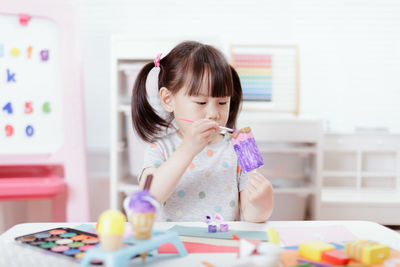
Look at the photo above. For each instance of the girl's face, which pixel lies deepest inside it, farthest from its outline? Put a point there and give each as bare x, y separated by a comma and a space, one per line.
199, 107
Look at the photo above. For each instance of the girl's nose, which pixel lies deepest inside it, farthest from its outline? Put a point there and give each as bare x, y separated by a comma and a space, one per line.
212, 113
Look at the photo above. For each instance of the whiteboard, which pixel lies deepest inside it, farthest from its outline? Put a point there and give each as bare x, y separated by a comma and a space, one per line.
31, 119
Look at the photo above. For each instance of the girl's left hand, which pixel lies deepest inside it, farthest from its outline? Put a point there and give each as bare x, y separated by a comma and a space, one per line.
259, 190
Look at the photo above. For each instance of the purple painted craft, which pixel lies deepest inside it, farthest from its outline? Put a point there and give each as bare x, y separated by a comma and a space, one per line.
212, 228
246, 150
139, 202
223, 227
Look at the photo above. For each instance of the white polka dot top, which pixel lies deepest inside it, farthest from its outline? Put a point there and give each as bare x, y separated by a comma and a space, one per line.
211, 183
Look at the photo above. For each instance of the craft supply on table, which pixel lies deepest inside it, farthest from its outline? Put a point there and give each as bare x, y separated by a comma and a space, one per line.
215, 223
110, 228
198, 248
246, 150
313, 250
367, 252
224, 227
212, 228
210, 241
247, 248
273, 235
141, 208
219, 220
211, 225
336, 257
203, 232
66, 241
124, 255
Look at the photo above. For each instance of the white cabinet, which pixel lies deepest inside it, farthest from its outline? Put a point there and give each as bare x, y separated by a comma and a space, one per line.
291, 150
127, 57
360, 177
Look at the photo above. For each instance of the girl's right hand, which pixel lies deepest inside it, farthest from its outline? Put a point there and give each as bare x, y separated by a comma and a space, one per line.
199, 134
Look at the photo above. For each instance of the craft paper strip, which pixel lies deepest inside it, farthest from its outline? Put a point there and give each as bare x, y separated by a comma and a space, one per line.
203, 232
197, 248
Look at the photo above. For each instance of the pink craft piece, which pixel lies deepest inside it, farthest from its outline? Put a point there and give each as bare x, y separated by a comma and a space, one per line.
246, 150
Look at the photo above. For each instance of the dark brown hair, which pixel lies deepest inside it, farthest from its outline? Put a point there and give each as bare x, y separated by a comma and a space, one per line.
188, 65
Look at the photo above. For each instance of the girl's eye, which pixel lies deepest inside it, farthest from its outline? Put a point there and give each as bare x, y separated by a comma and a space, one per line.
223, 103
201, 103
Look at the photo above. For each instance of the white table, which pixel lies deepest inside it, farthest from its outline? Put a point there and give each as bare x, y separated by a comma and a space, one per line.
361, 229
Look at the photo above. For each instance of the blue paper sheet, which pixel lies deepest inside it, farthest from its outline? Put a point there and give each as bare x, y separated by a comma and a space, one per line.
203, 232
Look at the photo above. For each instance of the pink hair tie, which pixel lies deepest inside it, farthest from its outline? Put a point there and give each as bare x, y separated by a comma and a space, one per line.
157, 60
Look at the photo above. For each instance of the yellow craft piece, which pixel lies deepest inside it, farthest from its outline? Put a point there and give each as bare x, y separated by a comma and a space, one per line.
375, 255
15, 52
273, 236
111, 222
368, 252
313, 250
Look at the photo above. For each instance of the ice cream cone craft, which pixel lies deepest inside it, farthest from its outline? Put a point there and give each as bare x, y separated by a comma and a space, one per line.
141, 218
110, 228
246, 150
141, 208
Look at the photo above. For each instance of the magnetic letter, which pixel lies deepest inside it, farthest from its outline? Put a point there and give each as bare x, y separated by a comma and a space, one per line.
10, 76
44, 54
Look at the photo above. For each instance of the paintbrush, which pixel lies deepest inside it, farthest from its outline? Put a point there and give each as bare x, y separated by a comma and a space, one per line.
147, 184
219, 127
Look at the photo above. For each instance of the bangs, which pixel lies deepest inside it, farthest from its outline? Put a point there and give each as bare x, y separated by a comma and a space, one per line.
207, 68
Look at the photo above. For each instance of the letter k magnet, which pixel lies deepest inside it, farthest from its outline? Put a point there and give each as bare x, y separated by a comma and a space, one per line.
10, 76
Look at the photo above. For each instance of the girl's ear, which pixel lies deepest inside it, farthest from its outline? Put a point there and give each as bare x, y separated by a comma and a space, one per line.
166, 99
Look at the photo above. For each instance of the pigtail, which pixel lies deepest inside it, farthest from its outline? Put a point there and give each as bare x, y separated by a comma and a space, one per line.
236, 99
145, 120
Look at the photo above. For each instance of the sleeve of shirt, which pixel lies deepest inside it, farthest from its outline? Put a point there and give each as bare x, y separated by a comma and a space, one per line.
153, 157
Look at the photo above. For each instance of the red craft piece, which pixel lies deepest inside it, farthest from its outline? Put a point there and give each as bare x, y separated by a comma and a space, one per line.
337, 257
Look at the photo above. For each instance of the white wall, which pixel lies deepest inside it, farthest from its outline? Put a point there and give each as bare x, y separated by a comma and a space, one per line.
350, 50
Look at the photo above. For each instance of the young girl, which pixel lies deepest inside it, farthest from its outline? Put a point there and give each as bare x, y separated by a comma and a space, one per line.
195, 168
